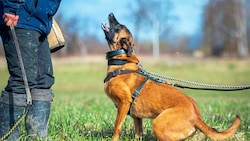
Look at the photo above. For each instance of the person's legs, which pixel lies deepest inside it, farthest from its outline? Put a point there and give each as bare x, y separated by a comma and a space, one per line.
36, 58
13, 97
38, 115
37, 62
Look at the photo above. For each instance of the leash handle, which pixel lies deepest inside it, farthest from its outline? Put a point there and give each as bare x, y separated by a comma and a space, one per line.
29, 100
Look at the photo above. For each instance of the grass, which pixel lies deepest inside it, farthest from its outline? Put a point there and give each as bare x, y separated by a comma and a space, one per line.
81, 110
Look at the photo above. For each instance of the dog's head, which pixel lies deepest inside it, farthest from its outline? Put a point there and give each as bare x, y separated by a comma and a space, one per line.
118, 36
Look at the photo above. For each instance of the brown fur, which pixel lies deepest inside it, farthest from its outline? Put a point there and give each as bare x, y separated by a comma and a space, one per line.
176, 116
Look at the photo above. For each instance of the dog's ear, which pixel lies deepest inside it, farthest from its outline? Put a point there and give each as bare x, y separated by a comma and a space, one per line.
127, 45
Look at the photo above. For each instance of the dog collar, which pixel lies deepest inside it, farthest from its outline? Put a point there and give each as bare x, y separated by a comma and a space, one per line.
111, 54
116, 62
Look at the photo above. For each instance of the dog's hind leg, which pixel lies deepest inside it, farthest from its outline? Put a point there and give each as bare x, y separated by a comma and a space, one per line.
174, 124
138, 127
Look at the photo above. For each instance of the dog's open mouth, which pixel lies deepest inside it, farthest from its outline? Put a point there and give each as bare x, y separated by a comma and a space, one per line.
113, 24
112, 29
105, 28
109, 34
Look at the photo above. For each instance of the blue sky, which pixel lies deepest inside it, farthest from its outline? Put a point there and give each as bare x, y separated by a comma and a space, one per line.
188, 12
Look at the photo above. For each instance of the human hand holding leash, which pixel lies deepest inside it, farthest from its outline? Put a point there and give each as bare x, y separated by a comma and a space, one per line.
10, 19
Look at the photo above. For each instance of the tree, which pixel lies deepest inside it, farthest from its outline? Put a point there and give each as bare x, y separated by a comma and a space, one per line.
241, 26
152, 13
224, 28
73, 36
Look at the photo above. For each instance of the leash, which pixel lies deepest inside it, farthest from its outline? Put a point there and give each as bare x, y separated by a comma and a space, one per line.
200, 86
159, 77
14, 126
29, 100
28, 93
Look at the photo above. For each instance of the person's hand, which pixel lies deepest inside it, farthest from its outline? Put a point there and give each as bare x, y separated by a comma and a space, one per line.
10, 19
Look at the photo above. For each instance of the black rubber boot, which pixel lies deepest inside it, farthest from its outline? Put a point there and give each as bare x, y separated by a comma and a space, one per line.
12, 108
37, 118
9, 115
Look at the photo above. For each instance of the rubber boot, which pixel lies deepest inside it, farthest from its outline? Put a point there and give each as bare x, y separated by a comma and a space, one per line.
36, 121
12, 107
9, 115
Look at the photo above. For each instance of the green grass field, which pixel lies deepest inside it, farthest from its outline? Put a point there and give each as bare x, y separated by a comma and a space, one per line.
81, 110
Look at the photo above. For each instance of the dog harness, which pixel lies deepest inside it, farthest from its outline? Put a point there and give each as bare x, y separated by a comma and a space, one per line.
137, 91
121, 72
111, 61
115, 73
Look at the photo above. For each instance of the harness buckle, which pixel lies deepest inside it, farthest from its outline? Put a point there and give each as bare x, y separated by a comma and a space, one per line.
116, 72
135, 94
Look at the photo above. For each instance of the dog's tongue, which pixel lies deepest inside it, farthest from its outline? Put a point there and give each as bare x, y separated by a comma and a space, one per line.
104, 27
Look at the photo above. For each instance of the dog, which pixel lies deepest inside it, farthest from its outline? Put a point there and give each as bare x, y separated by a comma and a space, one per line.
175, 115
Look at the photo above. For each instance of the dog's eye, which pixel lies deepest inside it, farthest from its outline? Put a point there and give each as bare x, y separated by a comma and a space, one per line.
118, 28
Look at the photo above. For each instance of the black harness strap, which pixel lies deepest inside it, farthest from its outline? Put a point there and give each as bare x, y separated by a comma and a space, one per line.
115, 73
138, 90
147, 77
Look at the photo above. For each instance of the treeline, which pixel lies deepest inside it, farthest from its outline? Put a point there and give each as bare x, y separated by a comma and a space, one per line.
224, 32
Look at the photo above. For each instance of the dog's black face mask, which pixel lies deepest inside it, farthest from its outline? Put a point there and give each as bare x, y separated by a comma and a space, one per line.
114, 28
117, 35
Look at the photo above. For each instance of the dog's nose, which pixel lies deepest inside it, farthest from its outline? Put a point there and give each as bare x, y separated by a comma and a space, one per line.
111, 15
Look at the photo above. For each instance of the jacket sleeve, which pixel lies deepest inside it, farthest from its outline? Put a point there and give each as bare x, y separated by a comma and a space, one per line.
13, 6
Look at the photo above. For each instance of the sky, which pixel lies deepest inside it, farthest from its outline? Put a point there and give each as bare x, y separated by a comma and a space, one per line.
188, 12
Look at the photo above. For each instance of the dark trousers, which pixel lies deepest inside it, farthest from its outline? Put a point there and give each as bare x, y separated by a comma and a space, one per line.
36, 58
38, 66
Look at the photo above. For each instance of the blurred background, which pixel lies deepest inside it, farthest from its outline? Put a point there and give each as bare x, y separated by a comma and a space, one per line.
203, 41
193, 28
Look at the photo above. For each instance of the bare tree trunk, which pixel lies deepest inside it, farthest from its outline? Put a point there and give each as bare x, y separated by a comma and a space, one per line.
156, 50
136, 36
241, 27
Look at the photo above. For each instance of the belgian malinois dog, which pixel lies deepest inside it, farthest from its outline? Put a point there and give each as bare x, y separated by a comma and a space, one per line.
175, 115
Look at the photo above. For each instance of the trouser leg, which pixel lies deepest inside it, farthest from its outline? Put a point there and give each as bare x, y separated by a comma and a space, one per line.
36, 58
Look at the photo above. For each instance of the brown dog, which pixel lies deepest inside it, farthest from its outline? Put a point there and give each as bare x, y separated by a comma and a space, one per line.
176, 116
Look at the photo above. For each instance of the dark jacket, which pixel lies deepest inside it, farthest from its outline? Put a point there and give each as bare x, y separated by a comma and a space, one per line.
33, 14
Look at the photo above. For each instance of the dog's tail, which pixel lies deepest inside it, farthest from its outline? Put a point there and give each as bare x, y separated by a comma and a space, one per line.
213, 134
